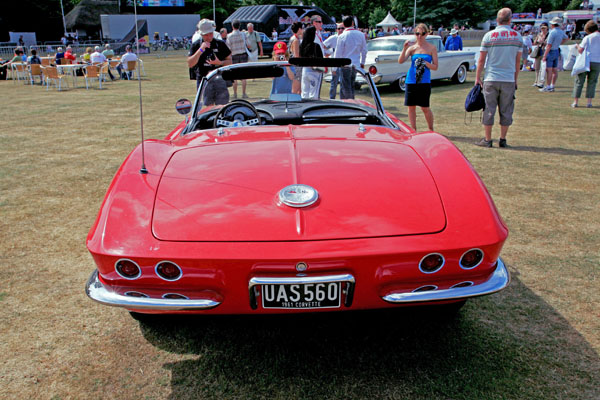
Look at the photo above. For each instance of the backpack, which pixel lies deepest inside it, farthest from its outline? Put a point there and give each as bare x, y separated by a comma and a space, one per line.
475, 100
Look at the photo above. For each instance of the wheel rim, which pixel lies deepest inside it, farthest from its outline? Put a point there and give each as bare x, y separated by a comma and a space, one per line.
462, 73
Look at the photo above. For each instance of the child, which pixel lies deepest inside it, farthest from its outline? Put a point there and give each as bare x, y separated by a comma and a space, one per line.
282, 84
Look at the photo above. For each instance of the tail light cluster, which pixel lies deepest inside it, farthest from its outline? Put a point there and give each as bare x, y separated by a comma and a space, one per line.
166, 270
433, 262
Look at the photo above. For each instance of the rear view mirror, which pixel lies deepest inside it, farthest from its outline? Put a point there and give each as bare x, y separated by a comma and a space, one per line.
183, 106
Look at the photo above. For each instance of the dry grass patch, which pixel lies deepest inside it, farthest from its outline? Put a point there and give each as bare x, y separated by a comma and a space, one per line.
538, 339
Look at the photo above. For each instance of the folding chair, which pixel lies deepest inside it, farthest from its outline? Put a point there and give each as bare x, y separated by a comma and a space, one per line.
51, 74
103, 73
46, 62
35, 70
65, 61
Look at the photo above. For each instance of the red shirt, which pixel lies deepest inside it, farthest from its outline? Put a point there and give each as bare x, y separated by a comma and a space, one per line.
70, 56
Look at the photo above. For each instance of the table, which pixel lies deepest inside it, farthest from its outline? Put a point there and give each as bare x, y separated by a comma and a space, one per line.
70, 68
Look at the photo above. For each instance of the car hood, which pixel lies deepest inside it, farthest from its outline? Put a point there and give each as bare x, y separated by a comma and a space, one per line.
229, 192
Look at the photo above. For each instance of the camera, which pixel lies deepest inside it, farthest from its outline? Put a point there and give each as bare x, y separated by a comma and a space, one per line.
281, 58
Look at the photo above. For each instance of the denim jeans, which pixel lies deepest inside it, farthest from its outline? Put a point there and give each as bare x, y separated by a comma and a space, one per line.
347, 78
335, 77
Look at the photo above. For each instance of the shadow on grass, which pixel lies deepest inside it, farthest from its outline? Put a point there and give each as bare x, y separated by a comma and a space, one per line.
509, 345
533, 149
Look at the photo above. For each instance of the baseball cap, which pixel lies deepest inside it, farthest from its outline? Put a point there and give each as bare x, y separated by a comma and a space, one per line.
280, 48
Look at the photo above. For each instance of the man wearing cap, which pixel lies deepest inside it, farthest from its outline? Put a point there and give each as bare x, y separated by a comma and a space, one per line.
236, 41
499, 60
282, 84
206, 55
556, 37
454, 42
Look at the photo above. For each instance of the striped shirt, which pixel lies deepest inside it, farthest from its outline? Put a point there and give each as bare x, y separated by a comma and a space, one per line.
502, 45
236, 42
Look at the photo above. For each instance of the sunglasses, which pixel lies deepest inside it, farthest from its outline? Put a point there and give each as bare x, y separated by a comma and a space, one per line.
340, 29
320, 22
420, 34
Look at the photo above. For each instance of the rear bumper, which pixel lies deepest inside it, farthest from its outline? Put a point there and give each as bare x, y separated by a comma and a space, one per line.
98, 292
498, 281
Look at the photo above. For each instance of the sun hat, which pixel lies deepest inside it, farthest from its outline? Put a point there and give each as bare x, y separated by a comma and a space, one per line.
280, 48
206, 26
453, 32
556, 21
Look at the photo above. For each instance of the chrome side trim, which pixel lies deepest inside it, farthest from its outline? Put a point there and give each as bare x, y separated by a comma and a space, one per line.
498, 281
297, 280
98, 292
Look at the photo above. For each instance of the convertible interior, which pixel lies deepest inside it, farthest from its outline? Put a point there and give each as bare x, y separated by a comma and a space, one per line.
262, 106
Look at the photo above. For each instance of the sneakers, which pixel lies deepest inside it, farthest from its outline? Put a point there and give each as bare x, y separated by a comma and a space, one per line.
574, 105
244, 96
502, 143
547, 89
485, 143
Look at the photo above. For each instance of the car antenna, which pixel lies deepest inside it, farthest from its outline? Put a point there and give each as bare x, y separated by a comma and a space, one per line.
143, 169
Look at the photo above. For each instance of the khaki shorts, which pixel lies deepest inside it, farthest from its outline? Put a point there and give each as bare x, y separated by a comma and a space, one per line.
500, 95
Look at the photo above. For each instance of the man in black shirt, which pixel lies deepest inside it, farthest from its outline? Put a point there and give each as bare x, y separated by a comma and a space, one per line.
205, 55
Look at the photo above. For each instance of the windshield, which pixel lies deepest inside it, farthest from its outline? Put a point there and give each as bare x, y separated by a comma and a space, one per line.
385, 45
275, 92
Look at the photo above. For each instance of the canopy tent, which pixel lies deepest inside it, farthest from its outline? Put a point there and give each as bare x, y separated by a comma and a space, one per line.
389, 22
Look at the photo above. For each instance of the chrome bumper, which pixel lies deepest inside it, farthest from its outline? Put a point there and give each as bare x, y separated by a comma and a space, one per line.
498, 281
98, 292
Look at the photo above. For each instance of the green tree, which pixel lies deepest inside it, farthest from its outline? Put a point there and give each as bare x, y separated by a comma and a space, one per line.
377, 15
442, 12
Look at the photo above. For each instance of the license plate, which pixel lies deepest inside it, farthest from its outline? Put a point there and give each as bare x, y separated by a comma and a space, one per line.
302, 295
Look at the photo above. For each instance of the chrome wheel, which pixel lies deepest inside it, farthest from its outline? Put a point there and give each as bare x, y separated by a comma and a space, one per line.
460, 76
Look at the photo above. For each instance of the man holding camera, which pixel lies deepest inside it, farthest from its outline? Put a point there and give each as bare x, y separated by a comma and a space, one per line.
206, 55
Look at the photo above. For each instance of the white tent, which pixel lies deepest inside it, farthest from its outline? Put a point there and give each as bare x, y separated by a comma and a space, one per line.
389, 22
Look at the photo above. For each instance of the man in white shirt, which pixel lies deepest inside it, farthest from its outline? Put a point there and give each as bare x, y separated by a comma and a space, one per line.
331, 44
128, 56
353, 45
97, 57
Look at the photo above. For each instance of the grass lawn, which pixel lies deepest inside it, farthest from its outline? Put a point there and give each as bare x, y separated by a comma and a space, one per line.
538, 339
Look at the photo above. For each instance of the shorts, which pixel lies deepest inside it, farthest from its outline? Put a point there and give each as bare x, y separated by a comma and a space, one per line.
552, 59
417, 94
500, 95
239, 58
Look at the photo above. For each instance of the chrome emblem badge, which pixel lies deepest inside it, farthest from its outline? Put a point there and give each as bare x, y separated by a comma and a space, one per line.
298, 195
301, 267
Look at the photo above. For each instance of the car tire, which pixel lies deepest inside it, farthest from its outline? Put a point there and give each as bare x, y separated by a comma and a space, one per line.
400, 84
460, 76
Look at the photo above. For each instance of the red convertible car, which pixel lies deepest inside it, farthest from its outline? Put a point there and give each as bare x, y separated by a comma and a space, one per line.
289, 204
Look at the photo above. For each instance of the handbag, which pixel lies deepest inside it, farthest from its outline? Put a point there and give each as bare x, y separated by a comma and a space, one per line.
535, 51
582, 63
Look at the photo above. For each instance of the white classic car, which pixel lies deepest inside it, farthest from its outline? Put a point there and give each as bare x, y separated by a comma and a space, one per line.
383, 53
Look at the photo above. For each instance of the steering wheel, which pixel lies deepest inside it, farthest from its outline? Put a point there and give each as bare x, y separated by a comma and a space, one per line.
237, 113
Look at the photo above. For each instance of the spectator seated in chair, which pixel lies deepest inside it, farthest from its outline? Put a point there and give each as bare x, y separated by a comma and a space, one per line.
122, 67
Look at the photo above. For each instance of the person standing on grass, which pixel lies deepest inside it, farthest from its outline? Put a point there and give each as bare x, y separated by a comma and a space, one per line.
254, 43
424, 59
500, 58
556, 37
540, 68
353, 45
236, 41
331, 43
589, 43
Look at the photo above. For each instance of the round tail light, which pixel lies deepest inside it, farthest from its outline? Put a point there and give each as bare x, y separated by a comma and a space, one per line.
431, 263
128, 269
471, 259
168, 270
372, 70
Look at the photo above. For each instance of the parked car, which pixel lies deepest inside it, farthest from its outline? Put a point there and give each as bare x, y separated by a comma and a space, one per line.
383, 53
279, 204
267, 44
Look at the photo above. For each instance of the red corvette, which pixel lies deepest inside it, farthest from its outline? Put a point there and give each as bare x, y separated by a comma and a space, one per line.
288, 204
